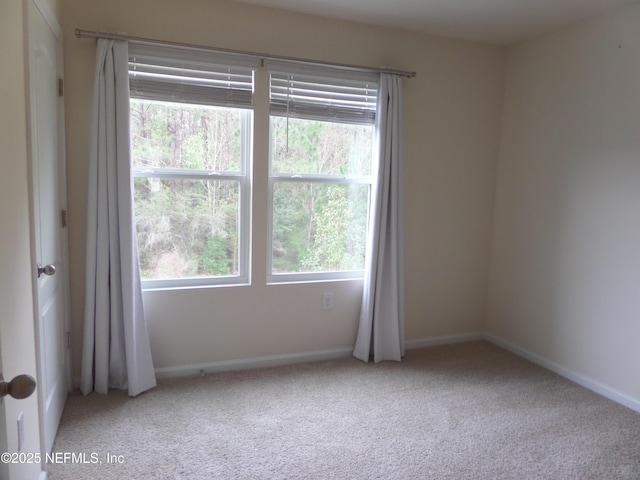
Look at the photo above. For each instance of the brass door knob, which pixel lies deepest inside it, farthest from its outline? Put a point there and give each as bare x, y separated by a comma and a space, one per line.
20, 387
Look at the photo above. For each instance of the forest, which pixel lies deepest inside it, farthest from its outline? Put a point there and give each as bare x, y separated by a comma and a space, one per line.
190, 164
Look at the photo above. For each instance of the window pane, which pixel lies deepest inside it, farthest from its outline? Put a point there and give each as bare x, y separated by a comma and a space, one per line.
308, 146
187, 228
196, 137
319, 227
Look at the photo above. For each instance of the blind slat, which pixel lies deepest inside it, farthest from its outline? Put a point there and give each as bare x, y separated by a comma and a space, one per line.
240, 77
345, 100
195, 94
174, 74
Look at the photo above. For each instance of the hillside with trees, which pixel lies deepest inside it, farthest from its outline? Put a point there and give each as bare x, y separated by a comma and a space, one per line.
188, 219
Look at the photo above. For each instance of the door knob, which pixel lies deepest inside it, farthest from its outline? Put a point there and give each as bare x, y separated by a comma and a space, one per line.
20, 387
47, 269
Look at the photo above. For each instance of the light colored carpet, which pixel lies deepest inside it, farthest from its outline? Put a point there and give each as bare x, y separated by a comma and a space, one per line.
465, 411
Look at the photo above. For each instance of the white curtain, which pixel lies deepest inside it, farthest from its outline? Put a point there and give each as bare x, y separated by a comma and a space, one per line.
381, 328
116, 351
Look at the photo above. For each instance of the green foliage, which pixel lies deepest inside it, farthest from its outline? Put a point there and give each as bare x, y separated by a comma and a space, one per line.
186, 227
340, 238
190, 227
215, 261
310, 146
319, 227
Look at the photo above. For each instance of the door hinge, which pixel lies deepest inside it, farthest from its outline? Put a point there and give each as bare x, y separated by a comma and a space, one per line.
63, 218
60, 87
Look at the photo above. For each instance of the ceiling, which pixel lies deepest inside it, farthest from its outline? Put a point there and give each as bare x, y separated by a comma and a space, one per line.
499, 22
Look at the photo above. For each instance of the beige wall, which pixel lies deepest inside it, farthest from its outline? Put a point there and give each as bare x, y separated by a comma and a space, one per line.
17, 327
451, 124
566, 257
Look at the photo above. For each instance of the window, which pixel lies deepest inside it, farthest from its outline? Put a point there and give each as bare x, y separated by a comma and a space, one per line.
190, 125
321, 174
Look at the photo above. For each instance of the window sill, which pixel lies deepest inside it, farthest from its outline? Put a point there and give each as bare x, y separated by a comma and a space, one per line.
194, 283
293, 278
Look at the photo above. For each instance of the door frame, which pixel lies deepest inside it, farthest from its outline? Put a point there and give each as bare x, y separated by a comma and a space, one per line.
51, 21
4, 467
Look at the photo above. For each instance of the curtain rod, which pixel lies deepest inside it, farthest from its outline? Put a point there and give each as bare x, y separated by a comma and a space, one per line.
116, 36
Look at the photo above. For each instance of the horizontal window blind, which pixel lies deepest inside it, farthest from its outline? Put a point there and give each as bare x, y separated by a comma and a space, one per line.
182, 75
318, 97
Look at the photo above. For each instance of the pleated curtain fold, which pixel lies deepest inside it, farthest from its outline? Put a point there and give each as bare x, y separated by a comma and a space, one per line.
116, 350
381, 326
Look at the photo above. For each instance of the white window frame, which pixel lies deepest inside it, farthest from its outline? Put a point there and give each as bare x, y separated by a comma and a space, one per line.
284, 177
244, 211
299, 277
236, 99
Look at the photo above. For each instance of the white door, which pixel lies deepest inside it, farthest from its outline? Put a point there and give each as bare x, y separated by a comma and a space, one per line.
50, 244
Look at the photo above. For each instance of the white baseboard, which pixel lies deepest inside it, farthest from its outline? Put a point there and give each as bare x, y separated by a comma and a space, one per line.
319, 355
290, 359
582, 380
444, 340
253, 362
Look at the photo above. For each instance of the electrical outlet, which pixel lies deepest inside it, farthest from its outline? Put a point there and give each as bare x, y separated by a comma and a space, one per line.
20, 430
327, 301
